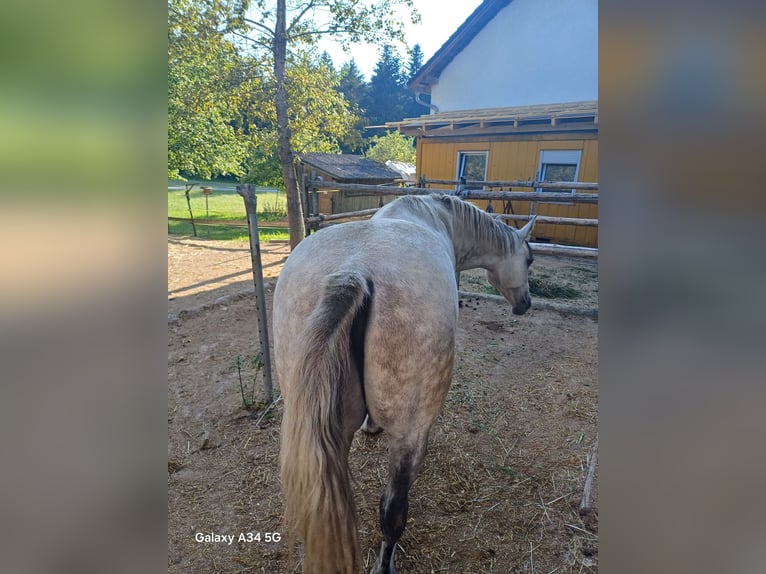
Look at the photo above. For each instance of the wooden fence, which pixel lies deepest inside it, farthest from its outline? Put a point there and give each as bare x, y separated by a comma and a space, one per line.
230, 222
465, 190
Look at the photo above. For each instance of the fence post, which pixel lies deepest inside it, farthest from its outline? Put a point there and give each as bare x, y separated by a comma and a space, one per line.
247, 191
189, 187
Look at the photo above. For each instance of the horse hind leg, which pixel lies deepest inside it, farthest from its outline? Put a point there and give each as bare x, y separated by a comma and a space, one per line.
405, 460
370, 426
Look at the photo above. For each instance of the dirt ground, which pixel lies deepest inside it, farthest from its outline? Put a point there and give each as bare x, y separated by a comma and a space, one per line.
500, 487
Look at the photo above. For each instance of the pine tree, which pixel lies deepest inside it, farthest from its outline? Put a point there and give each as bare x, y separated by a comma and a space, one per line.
352, 85
355, 89
388, 95
414, 62
325, 60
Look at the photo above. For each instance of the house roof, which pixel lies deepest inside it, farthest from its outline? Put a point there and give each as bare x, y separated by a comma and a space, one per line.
347, 167
432, 69
565, 117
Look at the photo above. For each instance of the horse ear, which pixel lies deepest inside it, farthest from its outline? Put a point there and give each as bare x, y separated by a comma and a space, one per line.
526, 231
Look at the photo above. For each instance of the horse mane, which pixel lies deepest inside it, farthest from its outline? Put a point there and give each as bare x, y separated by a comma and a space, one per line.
478, 223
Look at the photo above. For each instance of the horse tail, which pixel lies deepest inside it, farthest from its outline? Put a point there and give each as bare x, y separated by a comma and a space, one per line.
316, 479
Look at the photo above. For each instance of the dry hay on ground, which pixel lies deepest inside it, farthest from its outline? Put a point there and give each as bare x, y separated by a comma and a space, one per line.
507, 457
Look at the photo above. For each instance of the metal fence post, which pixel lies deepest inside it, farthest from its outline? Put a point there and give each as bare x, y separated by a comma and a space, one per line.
247, 191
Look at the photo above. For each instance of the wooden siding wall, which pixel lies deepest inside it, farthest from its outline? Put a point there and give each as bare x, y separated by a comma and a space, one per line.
342, 201
515, 159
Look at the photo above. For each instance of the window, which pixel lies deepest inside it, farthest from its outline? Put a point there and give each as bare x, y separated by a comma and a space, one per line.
559, 165
472, 165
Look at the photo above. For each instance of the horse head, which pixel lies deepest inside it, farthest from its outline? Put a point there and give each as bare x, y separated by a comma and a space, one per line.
509, 274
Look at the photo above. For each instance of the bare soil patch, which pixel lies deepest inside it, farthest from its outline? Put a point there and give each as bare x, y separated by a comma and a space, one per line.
507, 458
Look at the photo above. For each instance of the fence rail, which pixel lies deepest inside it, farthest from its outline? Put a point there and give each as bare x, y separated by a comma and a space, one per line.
551, 197
470, 183
315, 220
550, 219
230, 222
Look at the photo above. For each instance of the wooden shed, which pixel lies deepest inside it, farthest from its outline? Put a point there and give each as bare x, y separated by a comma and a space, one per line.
346, 168
550, 142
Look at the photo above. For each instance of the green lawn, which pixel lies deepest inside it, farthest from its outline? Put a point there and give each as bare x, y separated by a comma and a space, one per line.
227, 233
224, 203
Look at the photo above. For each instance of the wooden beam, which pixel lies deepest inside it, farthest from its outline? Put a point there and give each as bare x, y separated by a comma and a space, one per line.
568, 250
467, 194
552, 220
347, 215
519, 183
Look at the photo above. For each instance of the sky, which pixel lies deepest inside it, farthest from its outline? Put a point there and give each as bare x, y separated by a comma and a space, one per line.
439, 20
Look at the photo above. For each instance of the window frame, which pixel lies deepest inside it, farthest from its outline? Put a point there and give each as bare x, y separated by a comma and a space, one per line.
461, 157
558, 157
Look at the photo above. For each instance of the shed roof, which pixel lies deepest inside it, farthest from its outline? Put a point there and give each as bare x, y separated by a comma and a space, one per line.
432, 69
346, 167
564, 117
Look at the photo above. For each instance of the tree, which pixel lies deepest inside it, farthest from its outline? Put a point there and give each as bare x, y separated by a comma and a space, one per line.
352, 84
203, 81
387, 94
414, 63
320, 116
281, 30
392, 146
321, 119
354, 88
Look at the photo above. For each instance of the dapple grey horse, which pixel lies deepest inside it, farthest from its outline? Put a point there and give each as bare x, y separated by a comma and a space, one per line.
365, 316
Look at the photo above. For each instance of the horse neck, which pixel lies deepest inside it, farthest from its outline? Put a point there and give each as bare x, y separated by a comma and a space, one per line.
478, 240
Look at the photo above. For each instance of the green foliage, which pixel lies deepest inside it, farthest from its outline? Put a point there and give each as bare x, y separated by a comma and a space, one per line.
255, 364
319, 114
346, 21
203, 89
221, 88
262, 164
352, 84
414, 61
321, 118
392, 146
354, 88
387, 96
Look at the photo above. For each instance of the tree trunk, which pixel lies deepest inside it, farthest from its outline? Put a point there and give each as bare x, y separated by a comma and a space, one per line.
294, 208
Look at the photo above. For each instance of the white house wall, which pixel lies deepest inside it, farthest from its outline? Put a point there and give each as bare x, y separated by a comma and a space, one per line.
532, 52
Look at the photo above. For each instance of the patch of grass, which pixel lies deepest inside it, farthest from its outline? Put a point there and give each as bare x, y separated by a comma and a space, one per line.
225, 203
227, 232
489, 290
272, 233
543, 287
272, 206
